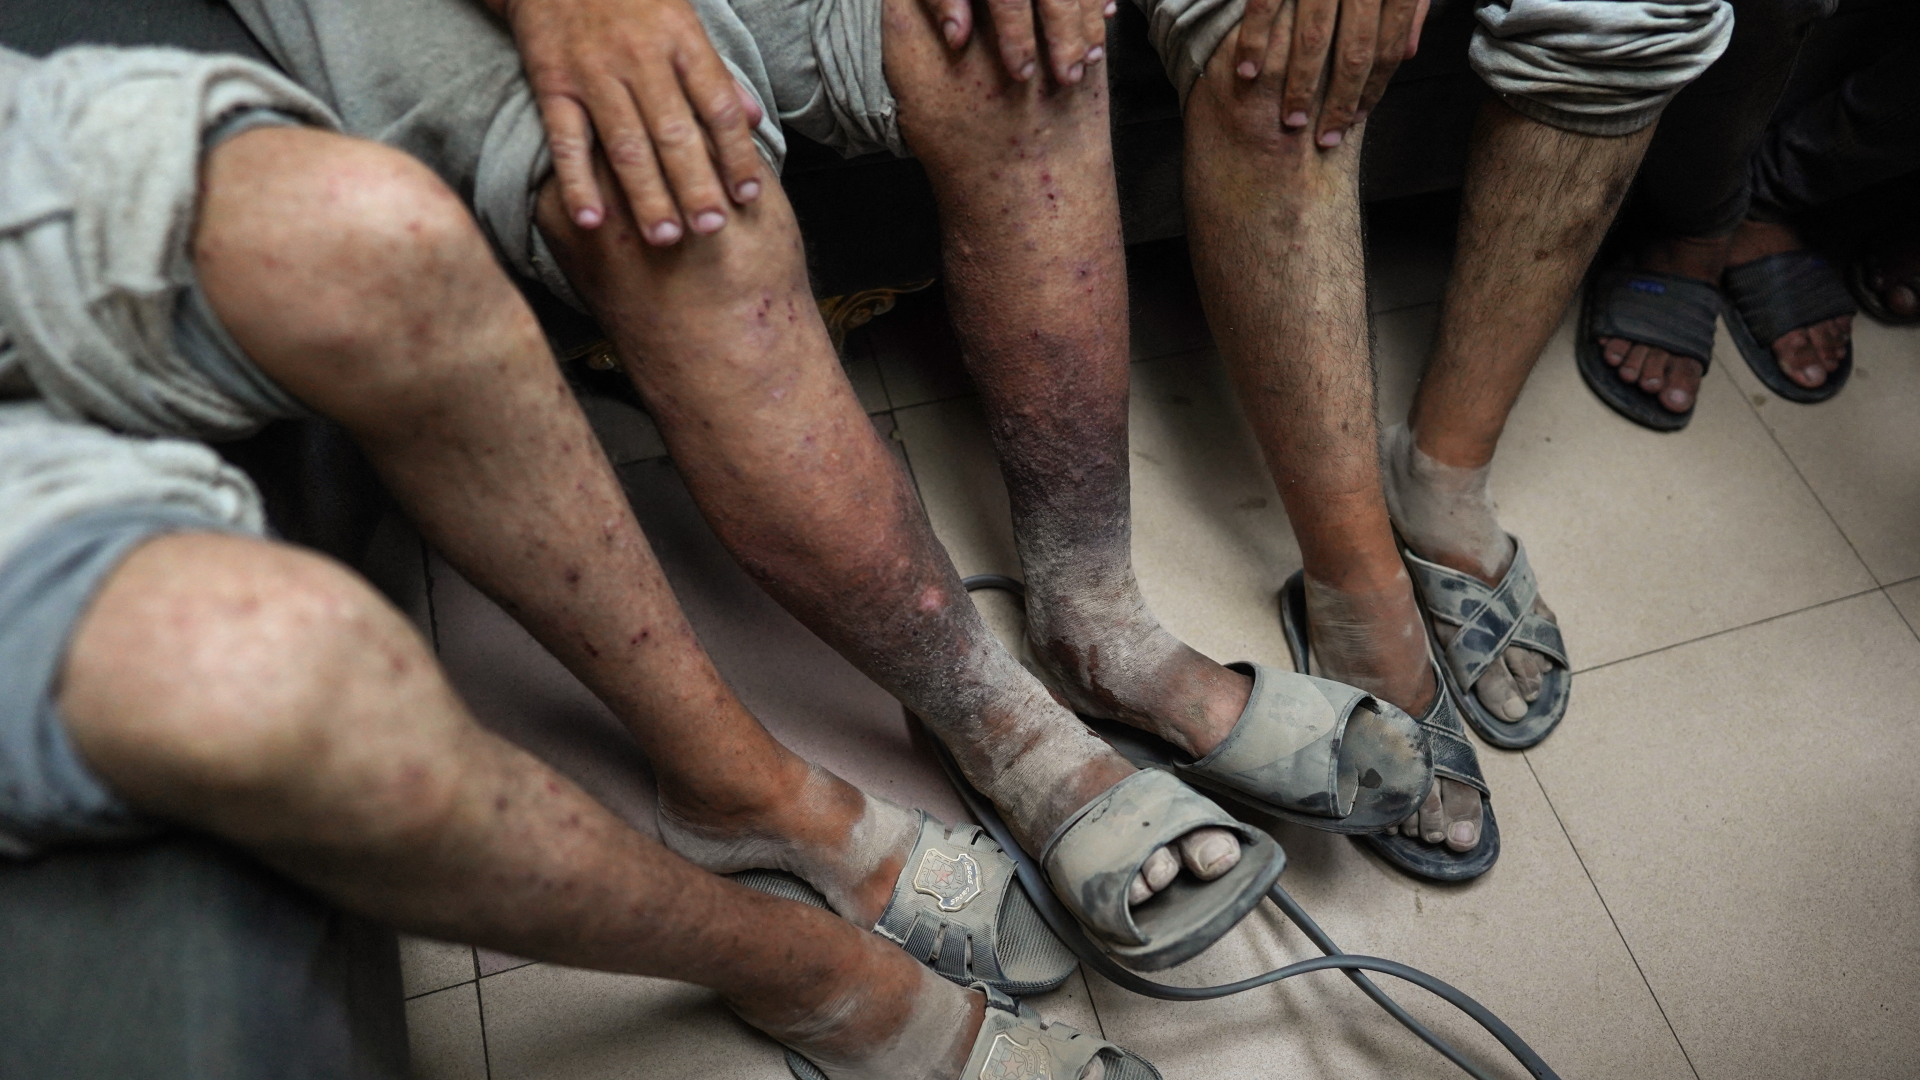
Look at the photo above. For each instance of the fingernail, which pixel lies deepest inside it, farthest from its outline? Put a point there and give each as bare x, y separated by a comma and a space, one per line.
1246, 70
1112, 10
1361, 116
587, 218
1074, 72
1462, 832
1330, 139
951, 31
1026, 71
749, 190
708, 221
1296, 119
1096, 54
666, 232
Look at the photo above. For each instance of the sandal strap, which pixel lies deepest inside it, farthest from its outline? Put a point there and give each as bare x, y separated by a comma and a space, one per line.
1093, 856
1285, 748
1489, 619
1453, 754
1663, 310
1784, 292
946, 903
1014, 1043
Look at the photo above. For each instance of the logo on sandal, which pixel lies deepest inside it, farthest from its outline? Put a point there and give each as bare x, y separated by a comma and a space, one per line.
954, 882
1009, 1060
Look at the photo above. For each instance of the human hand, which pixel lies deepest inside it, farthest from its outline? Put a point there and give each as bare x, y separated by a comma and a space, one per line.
1364, 40
641, 78
1075, 30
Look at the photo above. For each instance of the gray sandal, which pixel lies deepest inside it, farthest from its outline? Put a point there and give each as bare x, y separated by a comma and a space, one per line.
1486, 621
1093, 857
958, 908
1015, 1044
1311, 751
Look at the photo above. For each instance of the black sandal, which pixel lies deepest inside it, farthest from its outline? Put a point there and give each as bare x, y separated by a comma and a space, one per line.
1666, 311
1770, 297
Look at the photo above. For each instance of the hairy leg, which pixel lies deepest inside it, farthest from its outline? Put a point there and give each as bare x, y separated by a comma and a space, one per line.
1275, 226
723, 339
355, 279
1538, 201
270, 697
1023, 174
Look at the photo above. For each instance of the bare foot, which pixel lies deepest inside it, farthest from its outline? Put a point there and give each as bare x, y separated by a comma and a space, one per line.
1674, 378
1808, 354
1893, 273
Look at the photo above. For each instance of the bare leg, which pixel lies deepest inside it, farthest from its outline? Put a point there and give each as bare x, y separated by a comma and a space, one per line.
1538, 201
358, 281
1024, 177
270, 697
722, 337
1293, 329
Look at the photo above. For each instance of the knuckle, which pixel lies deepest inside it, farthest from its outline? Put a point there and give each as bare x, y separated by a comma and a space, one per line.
628, 152
676, 133
724, 111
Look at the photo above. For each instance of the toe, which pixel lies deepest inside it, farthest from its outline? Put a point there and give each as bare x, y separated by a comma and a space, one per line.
1630, 367
1614, 350
1430, 810
1139, 892
1462, 815
1526, 668
1829, 344
1433, 816
1160, 869
1795, 353
1208, 853
1903, 300
1653, 373
1683, 384
1496, 691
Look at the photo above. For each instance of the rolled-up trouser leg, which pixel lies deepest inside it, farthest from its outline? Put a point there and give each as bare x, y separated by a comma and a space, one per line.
1694, 182
1862, 133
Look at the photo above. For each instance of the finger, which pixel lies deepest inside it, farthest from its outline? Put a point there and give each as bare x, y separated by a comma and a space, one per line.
1160, 869
1496, 691
1066, 39
955, 20
1396, 30
1419, 24
1013, 25
1093, 21
1313, 23
570, 141
1209, 852
629, 152
1256, 33
1463, 815
1357, 35
682, 150
716, 94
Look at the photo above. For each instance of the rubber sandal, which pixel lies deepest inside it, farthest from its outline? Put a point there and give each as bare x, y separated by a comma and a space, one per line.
1015, 1044
1093, 857
958, 908
1859, 273
1310, 751
1663, 310
1489, 620
1780, 293
1453, 759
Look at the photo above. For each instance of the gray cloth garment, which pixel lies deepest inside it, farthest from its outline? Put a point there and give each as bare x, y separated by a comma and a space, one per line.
440, 80
99, 175
1598, 67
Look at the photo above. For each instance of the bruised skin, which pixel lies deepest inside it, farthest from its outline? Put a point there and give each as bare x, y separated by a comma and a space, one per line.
1807, 355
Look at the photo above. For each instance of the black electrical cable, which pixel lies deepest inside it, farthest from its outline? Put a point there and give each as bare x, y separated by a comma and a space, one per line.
1355, 967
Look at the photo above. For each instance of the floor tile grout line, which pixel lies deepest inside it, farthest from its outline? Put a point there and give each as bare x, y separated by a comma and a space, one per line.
1774, 437
1608, 908
480, 1006
1736, 629
439, 990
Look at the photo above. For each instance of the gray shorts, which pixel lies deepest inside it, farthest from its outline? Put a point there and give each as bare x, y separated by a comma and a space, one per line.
1598, 67
113, 368
441, 80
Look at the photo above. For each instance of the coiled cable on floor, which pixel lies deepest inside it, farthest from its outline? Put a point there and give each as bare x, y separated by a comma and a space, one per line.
1355, 967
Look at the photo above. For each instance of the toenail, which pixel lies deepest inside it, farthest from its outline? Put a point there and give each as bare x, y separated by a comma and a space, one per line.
1213, 850
1462, 832
1515, 708
1435, 837
1677, 398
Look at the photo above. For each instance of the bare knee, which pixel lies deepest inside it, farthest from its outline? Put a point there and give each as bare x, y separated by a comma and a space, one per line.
216, 678
340, 253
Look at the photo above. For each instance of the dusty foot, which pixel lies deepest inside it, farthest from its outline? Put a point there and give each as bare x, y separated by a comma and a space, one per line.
1676, 379
1893, 273
1808, 354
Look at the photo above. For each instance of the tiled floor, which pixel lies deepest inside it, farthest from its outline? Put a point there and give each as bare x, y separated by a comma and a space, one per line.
1703, 874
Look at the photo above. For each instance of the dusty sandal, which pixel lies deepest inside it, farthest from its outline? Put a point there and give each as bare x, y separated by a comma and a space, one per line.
1453, 759
1770, 297
957, 908
1015, 1044
1310, 751
1663, 310
1486, 621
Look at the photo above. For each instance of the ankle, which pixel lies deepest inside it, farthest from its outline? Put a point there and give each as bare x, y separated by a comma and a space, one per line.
1702, 258
1444, 512
1759, 239
1374, 640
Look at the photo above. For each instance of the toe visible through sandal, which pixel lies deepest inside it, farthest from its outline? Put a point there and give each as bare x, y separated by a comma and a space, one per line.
1453, 759
1015, 1044
1666, 311
1768, 298
1486, 620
